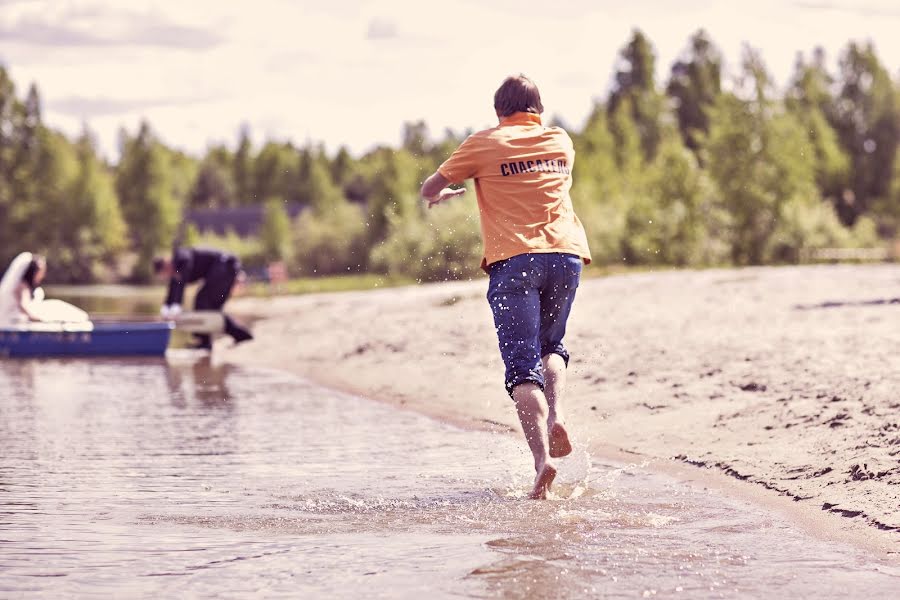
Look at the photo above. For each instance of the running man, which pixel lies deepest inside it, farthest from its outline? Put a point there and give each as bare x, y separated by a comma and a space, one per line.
218, 270
534, 248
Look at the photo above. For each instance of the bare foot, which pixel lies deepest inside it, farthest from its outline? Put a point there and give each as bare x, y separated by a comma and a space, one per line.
559, 441
542, 482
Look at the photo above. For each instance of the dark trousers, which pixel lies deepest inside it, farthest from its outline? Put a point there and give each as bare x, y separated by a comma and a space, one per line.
216, 288
213, 294
531, 296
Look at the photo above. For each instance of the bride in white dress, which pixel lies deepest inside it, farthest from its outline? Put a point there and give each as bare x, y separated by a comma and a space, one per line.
22, 300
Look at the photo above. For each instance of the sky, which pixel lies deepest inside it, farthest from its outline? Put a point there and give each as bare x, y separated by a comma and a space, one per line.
351, 72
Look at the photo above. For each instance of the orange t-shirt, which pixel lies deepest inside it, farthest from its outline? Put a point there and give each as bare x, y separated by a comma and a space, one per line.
523, 173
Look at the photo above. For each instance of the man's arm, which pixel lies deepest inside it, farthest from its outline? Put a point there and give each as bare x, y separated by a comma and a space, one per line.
435, 190
181, 266
175, 294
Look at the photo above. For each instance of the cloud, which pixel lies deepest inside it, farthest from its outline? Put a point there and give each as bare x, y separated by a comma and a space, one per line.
864, 10
90, 27
82, 107
381, 29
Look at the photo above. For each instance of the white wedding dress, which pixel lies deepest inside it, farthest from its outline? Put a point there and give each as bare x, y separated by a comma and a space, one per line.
48, 311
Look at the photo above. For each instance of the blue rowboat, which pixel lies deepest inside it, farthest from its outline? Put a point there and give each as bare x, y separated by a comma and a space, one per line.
87, 339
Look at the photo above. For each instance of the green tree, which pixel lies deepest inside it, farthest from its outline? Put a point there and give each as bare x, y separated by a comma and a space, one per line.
145, 186
887, 209
21, 135
866, 115
598, 182
47, 216
674, 220
635, 87
445, 245
694, 84
97, 232
323, 194
276, 172
596, 151
213, 186
242, 168
415, 138
761, 162
11, 116
342, 167
393, 178
275, 233
331, 242
808, 99
626, 135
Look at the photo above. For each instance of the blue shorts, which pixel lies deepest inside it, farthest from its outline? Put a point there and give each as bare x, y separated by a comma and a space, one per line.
531, 296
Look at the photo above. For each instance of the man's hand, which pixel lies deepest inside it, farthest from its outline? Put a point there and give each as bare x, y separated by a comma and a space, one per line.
445, 194
170, 311
435, 190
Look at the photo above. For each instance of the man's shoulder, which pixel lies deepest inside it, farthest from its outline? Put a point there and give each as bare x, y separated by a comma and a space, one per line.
499, 132
483, 135
557, 130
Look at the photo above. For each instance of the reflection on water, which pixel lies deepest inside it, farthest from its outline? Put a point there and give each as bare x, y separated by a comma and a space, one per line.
127, 300
122, 303
180, 477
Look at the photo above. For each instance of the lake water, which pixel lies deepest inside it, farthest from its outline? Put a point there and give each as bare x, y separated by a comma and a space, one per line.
179, 477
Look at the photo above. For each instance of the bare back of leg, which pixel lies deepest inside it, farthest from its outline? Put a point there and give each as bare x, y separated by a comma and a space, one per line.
531, 404
555, 378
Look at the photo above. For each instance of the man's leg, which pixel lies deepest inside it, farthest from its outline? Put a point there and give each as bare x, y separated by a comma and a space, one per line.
532, 408
563, 275
555, 378
514, 298
203, 301
215, 292
237, 331
554, 385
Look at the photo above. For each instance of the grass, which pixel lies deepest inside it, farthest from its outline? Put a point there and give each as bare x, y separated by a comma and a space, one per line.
331, 283
146, 299
367, 281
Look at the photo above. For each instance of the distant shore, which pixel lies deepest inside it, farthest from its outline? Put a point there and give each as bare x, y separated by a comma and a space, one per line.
783, 377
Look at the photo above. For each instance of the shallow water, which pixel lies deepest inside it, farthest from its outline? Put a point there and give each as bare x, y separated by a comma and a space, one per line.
146, 478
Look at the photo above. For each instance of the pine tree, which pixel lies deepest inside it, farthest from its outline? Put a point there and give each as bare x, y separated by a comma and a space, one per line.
694, 84
144, 184
866, 115
393, 177
809, 100
761, 162
635, 88
213, 186
276, 172
324, 195
275, 233
96, 233
242, 172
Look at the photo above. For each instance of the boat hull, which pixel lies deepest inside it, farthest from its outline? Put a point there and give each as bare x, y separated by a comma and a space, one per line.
103, 339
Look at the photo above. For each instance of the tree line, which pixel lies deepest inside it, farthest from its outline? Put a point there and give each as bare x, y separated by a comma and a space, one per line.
711, 168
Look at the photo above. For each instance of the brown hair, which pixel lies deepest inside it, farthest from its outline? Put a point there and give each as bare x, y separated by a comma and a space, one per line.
159, 263
517, 94
37, 261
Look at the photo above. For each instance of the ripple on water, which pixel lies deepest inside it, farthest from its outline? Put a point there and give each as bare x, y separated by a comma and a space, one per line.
149, 478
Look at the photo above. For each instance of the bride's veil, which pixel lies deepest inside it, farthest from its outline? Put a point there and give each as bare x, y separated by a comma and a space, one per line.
11, 279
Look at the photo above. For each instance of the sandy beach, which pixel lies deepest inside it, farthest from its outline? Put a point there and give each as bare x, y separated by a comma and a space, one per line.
783, 377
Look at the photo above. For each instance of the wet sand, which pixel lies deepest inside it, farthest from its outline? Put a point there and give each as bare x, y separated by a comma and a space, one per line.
185, 478
785, 378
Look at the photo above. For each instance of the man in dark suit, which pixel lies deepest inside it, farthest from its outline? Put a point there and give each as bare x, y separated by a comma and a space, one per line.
218, 270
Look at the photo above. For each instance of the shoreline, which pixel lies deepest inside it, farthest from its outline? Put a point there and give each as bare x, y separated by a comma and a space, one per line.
391, 345
833, 528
